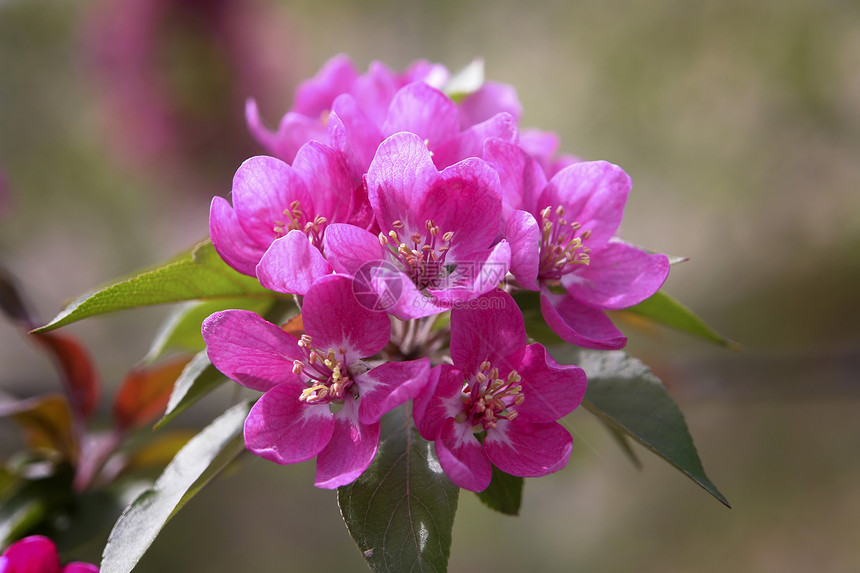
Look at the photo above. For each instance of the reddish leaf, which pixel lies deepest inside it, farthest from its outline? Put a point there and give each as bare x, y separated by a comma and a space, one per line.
46, 422
144, 393
79, 373
294, 326
158, 452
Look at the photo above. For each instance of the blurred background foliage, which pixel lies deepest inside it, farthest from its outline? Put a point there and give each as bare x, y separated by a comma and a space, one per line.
739, 122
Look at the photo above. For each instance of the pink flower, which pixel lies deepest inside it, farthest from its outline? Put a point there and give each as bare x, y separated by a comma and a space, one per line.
37, 554
308, 118
438, 229
499, 401
420, 109
321, 399
273, 200
563, 237
355, 112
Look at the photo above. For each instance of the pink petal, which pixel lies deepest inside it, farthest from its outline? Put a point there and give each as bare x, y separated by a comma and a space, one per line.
292, 264
315, 95
579, 324
618, 276
439, 401
350, 450
424, 111
551, 391
326, 176
462, 456
409, 302
473, 276
335, 320
425, 406
528, 450
353, 133
492, 329
401, 174
522, 179
490, 99
348, 248
593, 194
248, 349
293, 131
231, 241
34, 554
470, 143
374, 91
388, 385
262, 188
283, 429
523, 235
468, 202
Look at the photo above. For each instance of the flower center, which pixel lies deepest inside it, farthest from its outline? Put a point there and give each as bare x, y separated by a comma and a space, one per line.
489, 398
324, 373
561, 244
297, 220
424, 260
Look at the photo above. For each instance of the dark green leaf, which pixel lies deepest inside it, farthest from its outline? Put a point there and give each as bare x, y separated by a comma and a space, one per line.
625, 394
505, 493
31, 502
400, 512
665, 310
199, 461
181, 330
197, 275
197, 379
622, 440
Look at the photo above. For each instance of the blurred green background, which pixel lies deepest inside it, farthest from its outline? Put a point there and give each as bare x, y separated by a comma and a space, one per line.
739, 122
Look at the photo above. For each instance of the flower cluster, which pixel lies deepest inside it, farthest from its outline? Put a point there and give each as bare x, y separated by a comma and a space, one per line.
387, 202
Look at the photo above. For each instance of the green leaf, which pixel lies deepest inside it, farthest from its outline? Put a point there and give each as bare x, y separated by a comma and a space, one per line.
623, 442
624, 393
31, 502
665, 310
197, 379
197, 275
400, 512
198, 462
505, 493
181, 330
